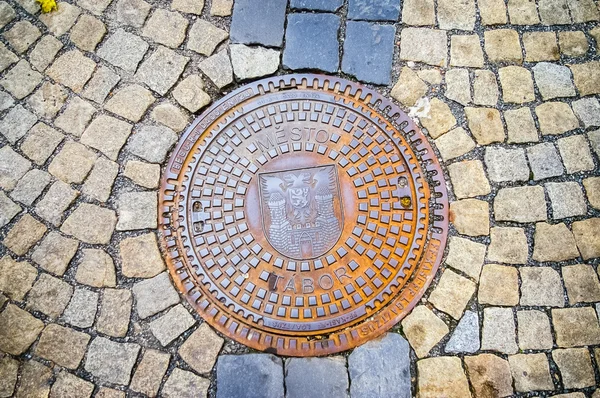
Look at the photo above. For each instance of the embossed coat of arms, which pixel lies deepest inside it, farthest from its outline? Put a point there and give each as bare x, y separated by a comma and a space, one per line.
301, 210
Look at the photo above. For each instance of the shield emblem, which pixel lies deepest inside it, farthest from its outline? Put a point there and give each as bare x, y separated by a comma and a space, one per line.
301, 210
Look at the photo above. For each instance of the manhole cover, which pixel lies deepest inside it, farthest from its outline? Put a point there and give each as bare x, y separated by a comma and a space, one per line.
303, 215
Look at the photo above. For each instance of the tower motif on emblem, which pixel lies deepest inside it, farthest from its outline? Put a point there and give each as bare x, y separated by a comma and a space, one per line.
301, 210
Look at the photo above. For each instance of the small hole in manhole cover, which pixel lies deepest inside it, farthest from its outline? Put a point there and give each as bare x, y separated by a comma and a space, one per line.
303, 215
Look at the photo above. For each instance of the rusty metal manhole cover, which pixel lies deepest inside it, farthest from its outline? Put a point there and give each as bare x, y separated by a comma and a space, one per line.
303, 215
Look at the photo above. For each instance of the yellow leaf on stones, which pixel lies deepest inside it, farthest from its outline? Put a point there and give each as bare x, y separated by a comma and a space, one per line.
47, 5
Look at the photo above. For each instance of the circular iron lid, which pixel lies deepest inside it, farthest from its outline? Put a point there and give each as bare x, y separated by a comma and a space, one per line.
303, 215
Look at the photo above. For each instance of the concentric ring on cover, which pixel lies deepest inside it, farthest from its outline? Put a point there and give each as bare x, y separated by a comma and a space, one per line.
303, 215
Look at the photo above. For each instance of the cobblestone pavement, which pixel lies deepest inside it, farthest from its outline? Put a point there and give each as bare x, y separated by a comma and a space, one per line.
95, 95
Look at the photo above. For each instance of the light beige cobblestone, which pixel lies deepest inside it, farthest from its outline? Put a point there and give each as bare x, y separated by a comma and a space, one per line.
545, 247
424, 330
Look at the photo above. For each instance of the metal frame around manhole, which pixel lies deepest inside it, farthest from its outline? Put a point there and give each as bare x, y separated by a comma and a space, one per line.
297, 266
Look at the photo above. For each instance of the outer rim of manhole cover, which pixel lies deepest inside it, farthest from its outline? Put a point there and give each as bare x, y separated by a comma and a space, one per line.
303, 215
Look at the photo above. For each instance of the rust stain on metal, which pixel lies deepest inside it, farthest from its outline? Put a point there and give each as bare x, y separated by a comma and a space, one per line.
303, 215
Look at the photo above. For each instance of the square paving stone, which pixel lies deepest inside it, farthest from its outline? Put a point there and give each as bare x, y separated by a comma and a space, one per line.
12, 167
123, 49
137, 210
100, 181
554, 12
171, 325
81, 311
499, 330
184, 384
154, 295
78, 222
73, 163
30, 186
60, 21
531, 372
485, 125
573, 43
49, 295
544, 161
190, 94
545, 247
541, 286
409, 88
455, 143
141, 257
534, 330
130, 102
588, 111
553, 80
452, 294
25, 233
21, 80
115, 311
149, 373
152, 143
506, 164
41, 142
7, 14
8, 372
581, 281
424, 330
368, 51
429, 46
317, 5
161, 70
311, 42
458, 86
520, 204
144, 174
469, 179
48, 99
57, 199
96, 269
485, 89
575, 367
453, 14
499, 285
219, 70
55, 252
502, 45
22, 35
18, 330
87, 33
442, 377
111, 361
489, 375
466, 256
63, 346
317, 377
576, 327
99, 86
374, 10
575, 153
465, 50
592, 189
583, 10
258, 22
76, 116
470, 216
68, 385
166, 27
72, 69
222, 8
540, 46
16, 277
251, 376
587, 77
132, 12
508, 245
556, 118
201, 348
566, 198
587, 237
16, 123
107, 134
35, 380
250, 62
44, 52
204, 37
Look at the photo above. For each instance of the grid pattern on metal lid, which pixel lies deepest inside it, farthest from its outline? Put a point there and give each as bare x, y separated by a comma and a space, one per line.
303, 215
